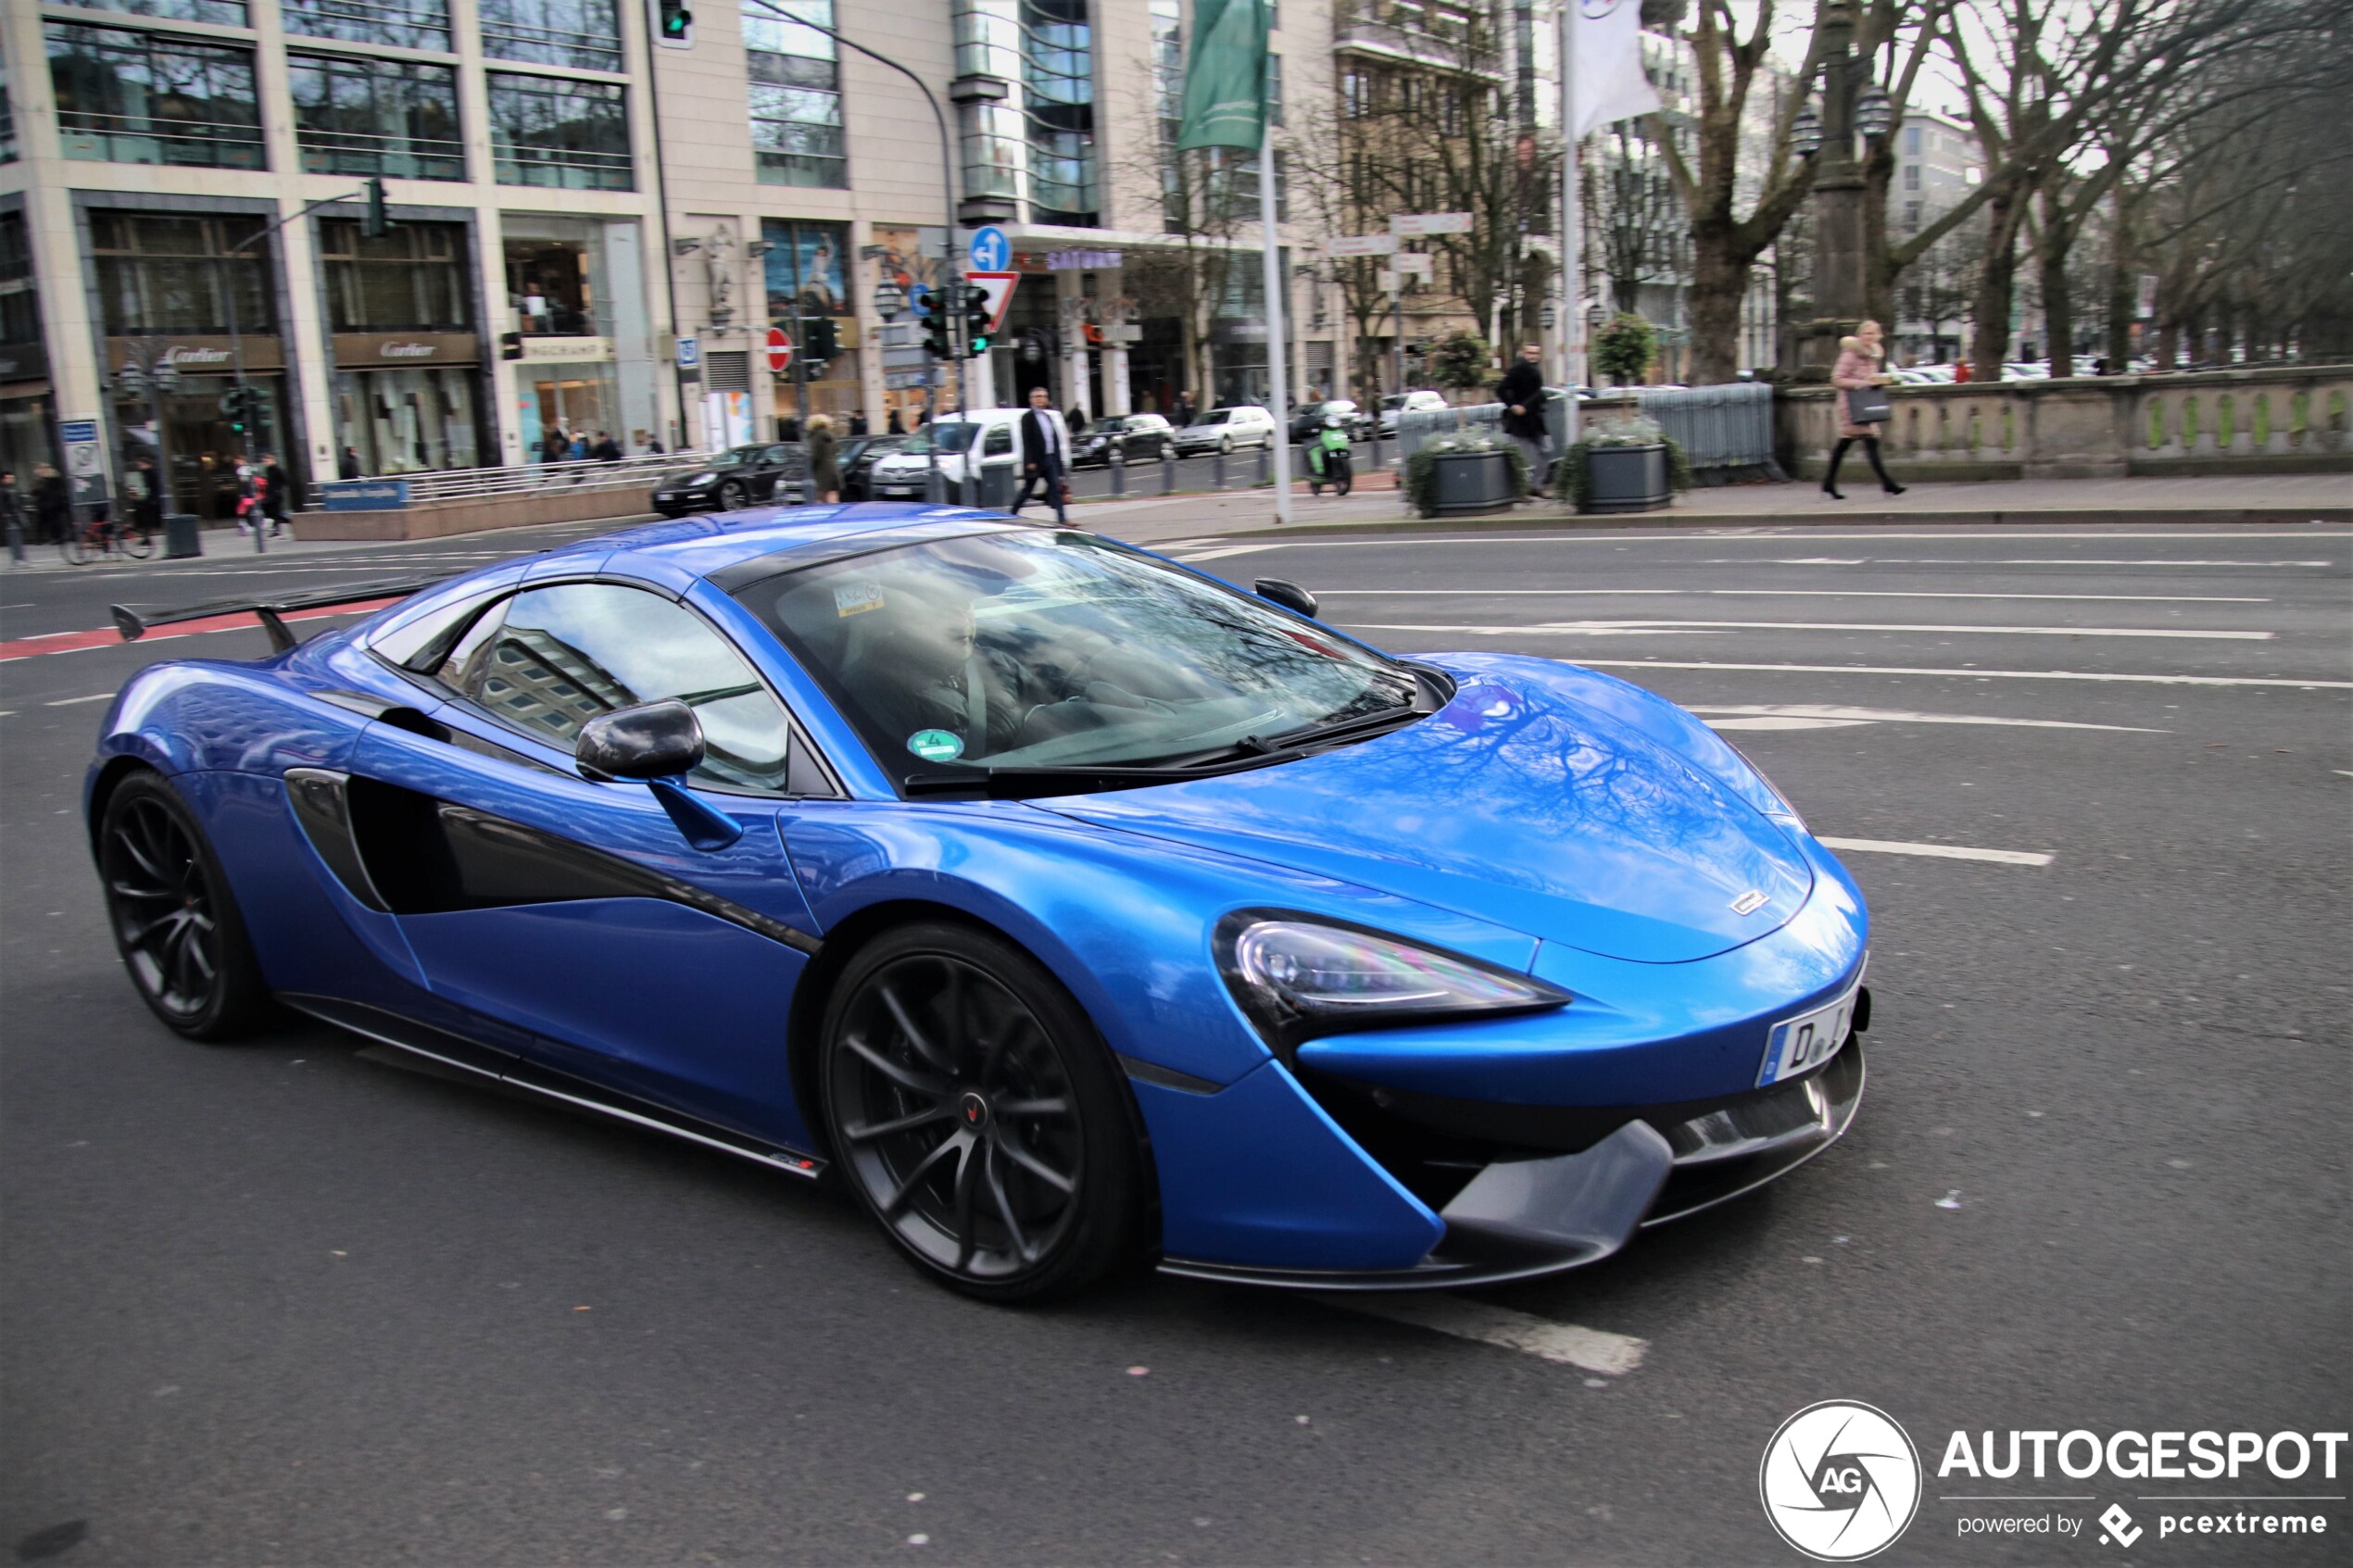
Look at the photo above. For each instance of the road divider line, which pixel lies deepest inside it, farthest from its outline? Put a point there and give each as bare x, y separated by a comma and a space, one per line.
1896, 716
1612, 627
1937, 852
1613, 1355
1973, 674
70, 701
1775, 594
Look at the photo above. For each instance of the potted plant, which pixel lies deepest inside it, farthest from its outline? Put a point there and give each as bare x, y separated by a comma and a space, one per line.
1623, 347
1621, 465
1457, 475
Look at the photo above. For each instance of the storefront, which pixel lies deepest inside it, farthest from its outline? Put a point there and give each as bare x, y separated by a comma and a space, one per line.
407, 402
564, 385
28, 411
205, 442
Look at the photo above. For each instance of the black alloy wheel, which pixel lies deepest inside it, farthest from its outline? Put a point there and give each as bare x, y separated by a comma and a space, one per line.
733, 497
977, 1112
174, 920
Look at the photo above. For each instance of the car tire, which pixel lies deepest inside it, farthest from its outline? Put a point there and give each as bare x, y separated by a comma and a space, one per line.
175, 921
733, 497
974, 1110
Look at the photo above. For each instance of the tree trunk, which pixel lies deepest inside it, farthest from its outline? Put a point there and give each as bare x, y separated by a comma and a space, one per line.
2058, 310
1719, 283
1989, 341
2120, 302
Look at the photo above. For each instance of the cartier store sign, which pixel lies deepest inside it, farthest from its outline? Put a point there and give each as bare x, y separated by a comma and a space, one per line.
355, 351
194, 356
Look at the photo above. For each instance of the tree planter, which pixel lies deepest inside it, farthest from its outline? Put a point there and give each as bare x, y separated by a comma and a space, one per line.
1463, 482
1627, 478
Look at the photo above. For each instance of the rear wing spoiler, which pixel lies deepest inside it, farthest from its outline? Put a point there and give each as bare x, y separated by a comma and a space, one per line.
273, 610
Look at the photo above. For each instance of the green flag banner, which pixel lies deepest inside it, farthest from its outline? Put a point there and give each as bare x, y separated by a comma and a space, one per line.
1225, 76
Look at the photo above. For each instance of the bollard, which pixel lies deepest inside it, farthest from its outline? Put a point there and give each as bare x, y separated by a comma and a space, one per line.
1118, 476
1168, 471
1218, 471
1266, 464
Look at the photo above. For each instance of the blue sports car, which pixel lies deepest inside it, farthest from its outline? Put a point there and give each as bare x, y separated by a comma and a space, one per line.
1076, 910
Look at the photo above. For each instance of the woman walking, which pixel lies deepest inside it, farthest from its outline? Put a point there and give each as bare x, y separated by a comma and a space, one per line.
1860, 360
825, 471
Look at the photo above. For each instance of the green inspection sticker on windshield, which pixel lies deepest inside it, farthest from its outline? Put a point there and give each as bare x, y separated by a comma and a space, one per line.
935, 745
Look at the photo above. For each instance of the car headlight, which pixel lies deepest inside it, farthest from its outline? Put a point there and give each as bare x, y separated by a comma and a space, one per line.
1298, 977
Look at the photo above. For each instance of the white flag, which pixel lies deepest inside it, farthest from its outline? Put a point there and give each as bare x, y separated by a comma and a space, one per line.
1608, 83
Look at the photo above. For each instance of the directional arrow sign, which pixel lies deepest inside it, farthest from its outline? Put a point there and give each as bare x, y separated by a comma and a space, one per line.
1000, 286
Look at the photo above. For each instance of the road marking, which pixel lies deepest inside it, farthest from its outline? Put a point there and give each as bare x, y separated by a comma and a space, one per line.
1614, 1355
1973, 674
1784, 721
1607, 627
1963, 561
1718, 536
1900, 716
1781, 594
1940, 851
70, 701
107, 636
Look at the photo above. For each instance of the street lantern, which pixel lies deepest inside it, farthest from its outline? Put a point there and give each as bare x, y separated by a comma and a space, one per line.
1874, 115
1805, 132
131, 381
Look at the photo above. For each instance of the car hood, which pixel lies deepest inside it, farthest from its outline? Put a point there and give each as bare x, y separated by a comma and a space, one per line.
1515, 803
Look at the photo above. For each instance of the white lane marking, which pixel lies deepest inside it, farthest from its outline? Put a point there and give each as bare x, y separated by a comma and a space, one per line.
1717, 536
1963, 561
1613, 1355
1899, 716
1784, 721
70, 701
1779, 594
1940, 851
1213, 555
1608, 627
1974, 674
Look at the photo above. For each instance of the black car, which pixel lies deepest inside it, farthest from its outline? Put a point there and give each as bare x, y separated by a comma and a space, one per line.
1308, 418
1135, 438
856, 458
775, 471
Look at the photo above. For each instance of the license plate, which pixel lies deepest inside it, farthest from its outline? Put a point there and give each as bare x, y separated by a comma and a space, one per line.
898, 489
1801, 1044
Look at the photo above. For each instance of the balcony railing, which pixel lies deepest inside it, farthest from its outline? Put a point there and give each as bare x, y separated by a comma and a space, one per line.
397, 157
1426, 35
567, 168
184, 143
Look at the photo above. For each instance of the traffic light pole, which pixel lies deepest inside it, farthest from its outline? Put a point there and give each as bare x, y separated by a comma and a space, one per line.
372, 193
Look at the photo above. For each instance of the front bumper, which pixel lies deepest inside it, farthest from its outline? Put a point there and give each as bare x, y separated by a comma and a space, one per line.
679, 502
1509, 1216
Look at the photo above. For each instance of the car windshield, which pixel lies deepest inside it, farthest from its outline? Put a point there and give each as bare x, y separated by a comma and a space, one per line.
1217, 416
1029, 648
953, 435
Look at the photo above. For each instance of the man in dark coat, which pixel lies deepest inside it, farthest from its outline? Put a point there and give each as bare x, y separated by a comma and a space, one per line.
347, 463
1523, 395
606, 450
1045, 452
277, 493
52, 504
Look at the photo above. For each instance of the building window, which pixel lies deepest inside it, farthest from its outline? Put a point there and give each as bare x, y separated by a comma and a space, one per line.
222, 13
551, 288
1058, 97
1911, 217
1912, 140
1273, 88
405, 24
585, 33
795, 96
1911, 176
169, 273
148, 97
20, 293
1356, 95
376, 116
574, 136
417, 278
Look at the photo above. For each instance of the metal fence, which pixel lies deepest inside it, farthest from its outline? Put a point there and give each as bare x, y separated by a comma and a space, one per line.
1724, 428
529, 478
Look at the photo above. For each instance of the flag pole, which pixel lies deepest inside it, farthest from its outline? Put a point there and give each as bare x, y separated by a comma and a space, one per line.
1572, 226
1277, 337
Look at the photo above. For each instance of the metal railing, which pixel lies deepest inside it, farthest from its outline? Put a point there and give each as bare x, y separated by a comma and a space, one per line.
1717, 427
531, 479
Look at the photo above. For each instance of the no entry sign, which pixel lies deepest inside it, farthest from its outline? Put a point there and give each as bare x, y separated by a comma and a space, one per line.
779, 350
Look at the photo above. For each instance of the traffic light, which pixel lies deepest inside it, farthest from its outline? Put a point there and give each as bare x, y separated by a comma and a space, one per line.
511, 345
243, 405
674, 24
821, 338
377, 222
936, 342
975, 319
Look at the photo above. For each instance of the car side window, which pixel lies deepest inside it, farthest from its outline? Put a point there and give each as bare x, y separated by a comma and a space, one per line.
776, 453
1000, 441
558, 657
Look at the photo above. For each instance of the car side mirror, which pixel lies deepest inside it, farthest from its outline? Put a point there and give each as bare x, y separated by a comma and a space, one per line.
1291, 595
654, 740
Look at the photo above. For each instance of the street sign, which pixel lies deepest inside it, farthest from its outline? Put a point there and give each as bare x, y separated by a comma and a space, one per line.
1121, 336
990, 250
85, 459
1386, 280
779, 350
919, 301
689, 353
1413, 225
889, 299
1364, 245
1412, 264
998, 286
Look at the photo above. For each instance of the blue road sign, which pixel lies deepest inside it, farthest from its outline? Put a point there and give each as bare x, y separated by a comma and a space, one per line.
919, 301
990, 250
689, 353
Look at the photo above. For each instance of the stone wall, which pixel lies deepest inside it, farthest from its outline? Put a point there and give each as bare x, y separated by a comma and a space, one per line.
438, 520
2290, 420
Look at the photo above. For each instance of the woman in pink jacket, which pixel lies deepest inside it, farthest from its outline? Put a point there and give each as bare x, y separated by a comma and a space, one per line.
1859, 359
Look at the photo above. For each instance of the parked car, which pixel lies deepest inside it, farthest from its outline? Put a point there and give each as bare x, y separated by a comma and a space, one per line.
1414, 402
901, 476
1222, 430
1309, 417
858, 456
745, 476
1069, 908
1127, 438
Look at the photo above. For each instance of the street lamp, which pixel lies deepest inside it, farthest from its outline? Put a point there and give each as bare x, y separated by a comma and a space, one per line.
1851, 102
1805, 132
1874, 115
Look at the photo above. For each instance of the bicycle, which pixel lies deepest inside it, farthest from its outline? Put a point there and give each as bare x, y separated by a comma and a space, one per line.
85, 542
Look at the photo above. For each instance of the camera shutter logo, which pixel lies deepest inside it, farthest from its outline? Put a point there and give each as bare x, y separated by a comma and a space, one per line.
1840, 1481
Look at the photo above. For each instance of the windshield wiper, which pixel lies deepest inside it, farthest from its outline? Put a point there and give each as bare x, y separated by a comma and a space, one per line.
1014, 783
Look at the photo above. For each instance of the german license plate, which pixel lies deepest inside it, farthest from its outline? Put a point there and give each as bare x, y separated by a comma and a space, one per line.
899, 490
1801, 1044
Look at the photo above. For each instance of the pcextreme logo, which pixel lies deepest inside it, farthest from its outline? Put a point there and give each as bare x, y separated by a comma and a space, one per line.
1840, 1481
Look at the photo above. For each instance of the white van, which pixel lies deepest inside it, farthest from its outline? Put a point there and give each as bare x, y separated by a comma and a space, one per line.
984, 442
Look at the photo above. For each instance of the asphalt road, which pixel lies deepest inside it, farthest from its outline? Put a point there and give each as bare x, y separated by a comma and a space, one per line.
288, 1302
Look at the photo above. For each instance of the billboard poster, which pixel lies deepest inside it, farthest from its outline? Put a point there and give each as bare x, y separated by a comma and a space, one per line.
807, 272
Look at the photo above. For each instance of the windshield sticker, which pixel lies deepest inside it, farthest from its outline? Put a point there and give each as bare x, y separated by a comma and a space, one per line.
857, 598
935, 745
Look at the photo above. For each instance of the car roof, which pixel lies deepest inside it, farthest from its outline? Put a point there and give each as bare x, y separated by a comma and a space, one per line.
701, 547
